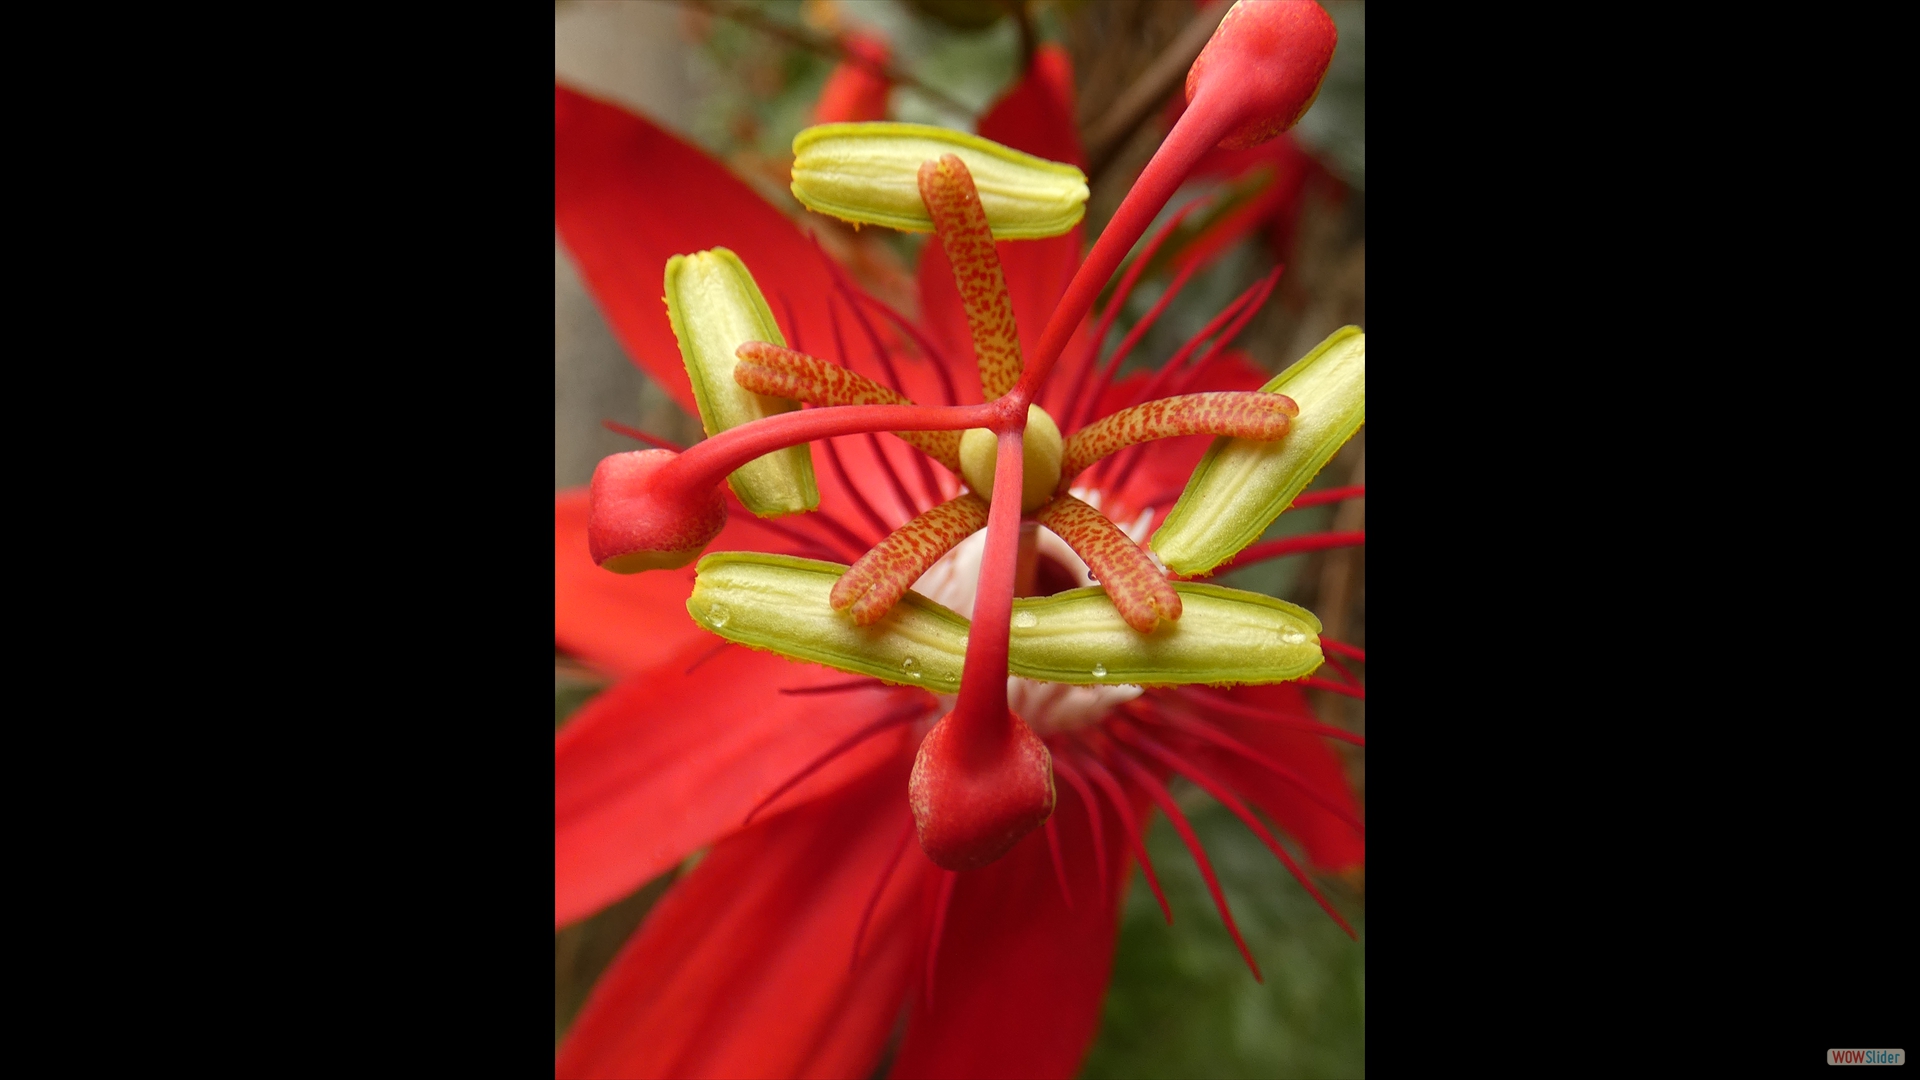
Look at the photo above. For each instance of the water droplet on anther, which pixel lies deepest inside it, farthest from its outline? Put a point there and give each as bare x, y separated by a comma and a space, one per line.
717, 615
911, 667
1099, 671
1293, 637
1025, 619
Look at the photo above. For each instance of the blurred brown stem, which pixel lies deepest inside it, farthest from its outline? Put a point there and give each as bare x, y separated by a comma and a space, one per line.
803, 38
1105, 136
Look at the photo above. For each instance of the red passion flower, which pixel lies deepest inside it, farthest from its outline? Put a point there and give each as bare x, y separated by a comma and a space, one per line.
989, 585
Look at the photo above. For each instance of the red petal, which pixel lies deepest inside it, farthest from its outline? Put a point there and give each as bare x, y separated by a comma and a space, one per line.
666, 762
628, 623
855, 91
1020, 977
1331, 844
628, 195
742, 969
1036, 116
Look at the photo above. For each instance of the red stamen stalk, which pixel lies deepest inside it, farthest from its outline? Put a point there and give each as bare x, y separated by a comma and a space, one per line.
982, 779
777, 372
1197, 131
707, 463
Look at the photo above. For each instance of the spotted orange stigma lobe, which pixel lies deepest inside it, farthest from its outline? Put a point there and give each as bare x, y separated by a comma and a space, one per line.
635, 524
976, 792
961, 223
1139, 591
777, 372
1238, 414
870, 588
1265, 62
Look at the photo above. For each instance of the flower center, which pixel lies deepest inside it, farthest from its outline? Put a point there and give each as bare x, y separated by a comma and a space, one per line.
1040, 454
1048, 708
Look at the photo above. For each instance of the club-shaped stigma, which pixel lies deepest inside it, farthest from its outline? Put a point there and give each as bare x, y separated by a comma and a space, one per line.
635, 523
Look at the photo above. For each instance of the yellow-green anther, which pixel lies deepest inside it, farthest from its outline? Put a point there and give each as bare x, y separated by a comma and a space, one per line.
869, 174
1241, 485
715, 307
781, 603
1040, 450
1223, 636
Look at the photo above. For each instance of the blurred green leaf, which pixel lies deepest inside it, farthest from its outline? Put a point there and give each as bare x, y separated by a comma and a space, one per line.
1182, 1002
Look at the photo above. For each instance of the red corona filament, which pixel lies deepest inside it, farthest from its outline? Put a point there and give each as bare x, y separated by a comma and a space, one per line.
1139, 591
1339, 688
654, 441
1158, 793
870, 588
900, 716
947, 880
1066, 770
1109, 786
1330, 495
833, 688
1232, 802
1289, 545
1191, 696
1073, 413
879, 887
1059, 865
1228, 743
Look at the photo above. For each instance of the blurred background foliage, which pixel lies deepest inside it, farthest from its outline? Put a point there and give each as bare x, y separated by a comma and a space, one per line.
740, 78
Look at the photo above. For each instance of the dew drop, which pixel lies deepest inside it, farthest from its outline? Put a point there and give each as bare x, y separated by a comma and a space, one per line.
911, 667
1293, 637
1099, 671
1025, 619
717, 615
